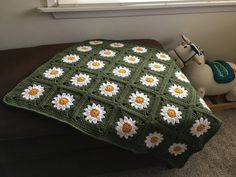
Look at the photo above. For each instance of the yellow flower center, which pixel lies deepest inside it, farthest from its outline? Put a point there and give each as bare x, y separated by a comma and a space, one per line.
140, 49
94, 113
80, 79
96, 64
163, 56
126, 128
139, 99
201, 127
63, 101
157, 66
107, 53
131, 59
109, 88
54, 72
154, 139
84, 48
178, 90
122, 71
33, 92
71, 58
177, 148
171, 113
149, 79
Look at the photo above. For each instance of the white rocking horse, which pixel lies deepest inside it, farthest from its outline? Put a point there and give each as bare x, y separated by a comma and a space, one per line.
209, 78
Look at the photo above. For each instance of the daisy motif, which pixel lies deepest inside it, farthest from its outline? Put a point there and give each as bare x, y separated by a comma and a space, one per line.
109, 89
117, 45
126, 127
33, 92
153, 139
163, 56
70, 58
139, 100
149, 80
53, 73
131, 59
139, 49
121, 71
181, 76
178, 91
84, 48
63, 101
200, 127
157, 67
95, 64
107, 53
80, 80
177, 148
171, 114
95, 42
204, 104
94, 113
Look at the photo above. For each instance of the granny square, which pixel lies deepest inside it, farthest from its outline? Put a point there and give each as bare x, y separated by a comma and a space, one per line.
129, 94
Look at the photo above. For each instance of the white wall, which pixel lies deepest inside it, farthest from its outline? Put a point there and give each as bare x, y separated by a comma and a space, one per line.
22, 26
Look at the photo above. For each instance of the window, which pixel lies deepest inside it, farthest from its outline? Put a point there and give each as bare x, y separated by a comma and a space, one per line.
83, 2
114, 8
111, 1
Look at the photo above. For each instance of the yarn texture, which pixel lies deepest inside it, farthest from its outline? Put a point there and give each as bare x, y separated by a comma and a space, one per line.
125, 93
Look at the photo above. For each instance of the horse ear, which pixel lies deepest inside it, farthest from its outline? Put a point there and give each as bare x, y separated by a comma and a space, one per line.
195, 49
187, 40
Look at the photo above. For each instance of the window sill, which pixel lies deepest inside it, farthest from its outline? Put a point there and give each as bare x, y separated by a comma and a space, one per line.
137, 9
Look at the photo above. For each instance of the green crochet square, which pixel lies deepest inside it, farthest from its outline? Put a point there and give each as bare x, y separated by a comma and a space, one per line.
128, 94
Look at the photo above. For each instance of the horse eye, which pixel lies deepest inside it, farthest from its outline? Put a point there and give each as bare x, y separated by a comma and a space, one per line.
185, 47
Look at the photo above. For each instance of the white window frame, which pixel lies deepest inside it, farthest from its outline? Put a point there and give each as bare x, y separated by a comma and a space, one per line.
96, 10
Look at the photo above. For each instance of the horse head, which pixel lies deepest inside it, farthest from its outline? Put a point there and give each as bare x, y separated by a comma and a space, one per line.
187, 52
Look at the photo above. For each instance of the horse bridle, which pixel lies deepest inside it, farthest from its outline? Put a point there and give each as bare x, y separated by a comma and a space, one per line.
190, 58
186, 61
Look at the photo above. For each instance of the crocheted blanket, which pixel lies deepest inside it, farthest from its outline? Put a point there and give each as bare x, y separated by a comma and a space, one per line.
128, 94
